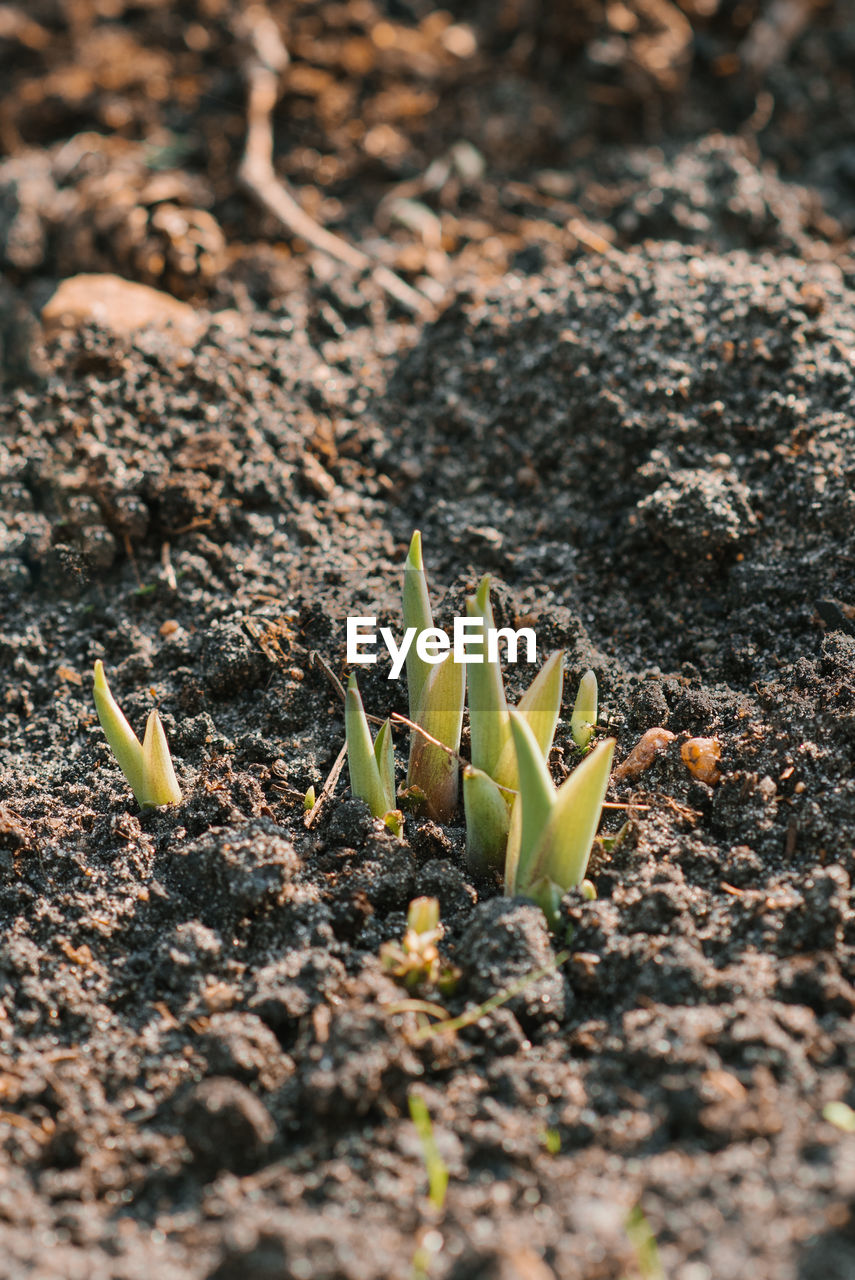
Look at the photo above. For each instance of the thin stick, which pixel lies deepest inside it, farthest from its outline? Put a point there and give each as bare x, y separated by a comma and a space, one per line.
327, 789
318, 660
129, 552
263, 70
396, 718
166, 566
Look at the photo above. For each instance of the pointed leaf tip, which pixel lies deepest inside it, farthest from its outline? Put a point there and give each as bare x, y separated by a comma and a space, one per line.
564, 846
488, 709
122, 740
365, 781
541, 702
159, 780
416, 612
536, 794
482, 598
414, 554
384, 754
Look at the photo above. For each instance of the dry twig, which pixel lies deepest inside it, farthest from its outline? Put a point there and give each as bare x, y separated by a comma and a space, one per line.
327, 789
265, 64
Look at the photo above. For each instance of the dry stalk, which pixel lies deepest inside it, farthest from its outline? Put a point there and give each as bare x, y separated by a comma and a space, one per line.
265, 64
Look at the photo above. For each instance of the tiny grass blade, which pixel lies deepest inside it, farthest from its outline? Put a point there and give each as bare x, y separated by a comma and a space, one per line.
640, 1235
435, 1167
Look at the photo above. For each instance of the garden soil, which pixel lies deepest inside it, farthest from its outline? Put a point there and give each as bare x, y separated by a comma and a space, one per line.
630, 400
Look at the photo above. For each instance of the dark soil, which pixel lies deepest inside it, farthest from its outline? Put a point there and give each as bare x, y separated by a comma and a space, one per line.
634, 407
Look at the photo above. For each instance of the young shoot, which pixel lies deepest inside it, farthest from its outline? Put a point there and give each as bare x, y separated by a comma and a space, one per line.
552, 831
489, 785
371, 764
436, 693
488, 818
148, 766
416, 961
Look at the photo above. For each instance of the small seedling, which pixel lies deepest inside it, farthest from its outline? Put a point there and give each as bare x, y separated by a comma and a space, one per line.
451, 1026
148, 766
489, 785
429, 1242
435, 1167
436, 694
416, 960
640, 1235
371, 764
488, 819
552, 831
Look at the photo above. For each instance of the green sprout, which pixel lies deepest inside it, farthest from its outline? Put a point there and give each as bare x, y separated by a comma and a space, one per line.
489, 725
435, 1167
147, 767
416, 961
551, 1140
584, 718
491, 781
492, 747
436, 693
371, 764
640, 1235
487, 819
552, 831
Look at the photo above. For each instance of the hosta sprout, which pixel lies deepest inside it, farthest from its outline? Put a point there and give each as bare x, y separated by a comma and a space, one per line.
148, 765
